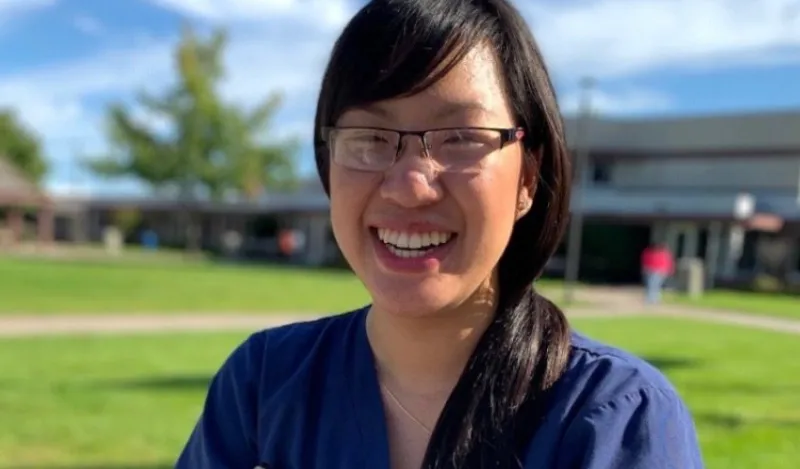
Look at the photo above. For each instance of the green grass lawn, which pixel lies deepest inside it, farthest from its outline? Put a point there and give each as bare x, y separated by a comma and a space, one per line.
742, 385
124, 402
115, 403
163, 285
141, 283
53, 286
763, 304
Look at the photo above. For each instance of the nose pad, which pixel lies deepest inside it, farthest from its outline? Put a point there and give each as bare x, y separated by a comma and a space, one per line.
424, 160
430, 170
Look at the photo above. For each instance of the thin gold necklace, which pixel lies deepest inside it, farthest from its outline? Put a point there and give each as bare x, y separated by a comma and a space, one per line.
406, 411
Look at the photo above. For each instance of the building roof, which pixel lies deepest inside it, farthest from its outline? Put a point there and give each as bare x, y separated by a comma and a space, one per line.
277, 203
753, 133
16, 188
309, 196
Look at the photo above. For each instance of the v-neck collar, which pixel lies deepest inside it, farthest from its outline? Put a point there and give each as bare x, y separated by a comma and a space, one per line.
366, 398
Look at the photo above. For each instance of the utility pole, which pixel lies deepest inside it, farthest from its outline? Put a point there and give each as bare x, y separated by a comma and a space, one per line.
77, 153
576, 219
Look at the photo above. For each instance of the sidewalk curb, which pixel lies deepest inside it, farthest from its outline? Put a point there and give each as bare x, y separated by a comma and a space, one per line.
64, 325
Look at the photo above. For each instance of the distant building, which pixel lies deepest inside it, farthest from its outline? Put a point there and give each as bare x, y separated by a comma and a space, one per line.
21, 199
725, 189
84, 218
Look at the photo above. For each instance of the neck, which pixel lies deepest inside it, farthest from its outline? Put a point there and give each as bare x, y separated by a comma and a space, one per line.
425, 356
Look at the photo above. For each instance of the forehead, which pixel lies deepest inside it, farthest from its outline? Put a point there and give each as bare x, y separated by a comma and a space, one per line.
473, 89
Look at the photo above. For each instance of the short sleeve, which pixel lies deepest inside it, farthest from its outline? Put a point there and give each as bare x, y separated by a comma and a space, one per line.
224, 436
647, 429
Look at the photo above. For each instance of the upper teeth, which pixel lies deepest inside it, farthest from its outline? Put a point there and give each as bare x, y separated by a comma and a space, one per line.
405, 240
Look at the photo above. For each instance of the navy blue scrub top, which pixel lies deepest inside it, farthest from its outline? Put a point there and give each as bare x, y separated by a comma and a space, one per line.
306, 396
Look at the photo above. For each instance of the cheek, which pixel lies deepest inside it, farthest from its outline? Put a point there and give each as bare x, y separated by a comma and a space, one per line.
494, 205
350, 195
489, 198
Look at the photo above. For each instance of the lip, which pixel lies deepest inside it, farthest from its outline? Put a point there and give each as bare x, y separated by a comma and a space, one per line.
430, 262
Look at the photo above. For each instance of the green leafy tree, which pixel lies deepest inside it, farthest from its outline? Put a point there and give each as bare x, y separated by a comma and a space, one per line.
249, 155
127, 220
21, 146
207, 147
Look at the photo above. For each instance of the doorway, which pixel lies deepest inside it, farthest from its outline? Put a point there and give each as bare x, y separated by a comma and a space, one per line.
684, 240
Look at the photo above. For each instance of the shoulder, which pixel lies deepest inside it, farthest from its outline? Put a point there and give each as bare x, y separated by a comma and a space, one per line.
599, 374
284, 348
304, 333
617, 410
270, 358
266, 364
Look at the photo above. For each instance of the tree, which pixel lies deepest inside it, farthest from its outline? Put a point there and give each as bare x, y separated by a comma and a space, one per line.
127, 220
208, 147
21, 147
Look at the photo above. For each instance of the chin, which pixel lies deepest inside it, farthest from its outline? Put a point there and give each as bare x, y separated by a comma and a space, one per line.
413, 300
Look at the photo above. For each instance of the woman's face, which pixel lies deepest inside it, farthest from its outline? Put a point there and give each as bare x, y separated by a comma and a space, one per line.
423, 238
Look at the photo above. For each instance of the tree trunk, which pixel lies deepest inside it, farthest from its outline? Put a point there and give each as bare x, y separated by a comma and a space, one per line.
192, 237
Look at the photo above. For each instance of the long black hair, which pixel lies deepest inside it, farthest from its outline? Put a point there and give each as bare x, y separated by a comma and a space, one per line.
395, 48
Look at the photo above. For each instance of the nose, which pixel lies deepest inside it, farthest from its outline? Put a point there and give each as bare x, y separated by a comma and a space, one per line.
413, 180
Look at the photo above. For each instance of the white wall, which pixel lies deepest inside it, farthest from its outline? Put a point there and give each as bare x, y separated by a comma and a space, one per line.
736, 174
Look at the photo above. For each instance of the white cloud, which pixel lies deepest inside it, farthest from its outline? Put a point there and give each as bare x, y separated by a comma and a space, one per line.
282, 45
107, 72
12, 9
67, 189
258, 63
623, 37
54, 99
155, 122
16, 6
88, 25
601, 37
325, 13
626, 101
302, 128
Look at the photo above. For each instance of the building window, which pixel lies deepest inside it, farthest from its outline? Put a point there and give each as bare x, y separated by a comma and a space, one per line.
601, 172
749, 251
797, 254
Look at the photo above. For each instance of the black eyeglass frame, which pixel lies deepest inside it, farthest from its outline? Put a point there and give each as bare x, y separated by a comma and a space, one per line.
508, 135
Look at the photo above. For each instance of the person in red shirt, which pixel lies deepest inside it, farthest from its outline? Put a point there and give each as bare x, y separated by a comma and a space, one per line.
286, 243
657, 265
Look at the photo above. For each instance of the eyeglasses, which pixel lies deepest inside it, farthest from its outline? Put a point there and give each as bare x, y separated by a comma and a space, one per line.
453, 149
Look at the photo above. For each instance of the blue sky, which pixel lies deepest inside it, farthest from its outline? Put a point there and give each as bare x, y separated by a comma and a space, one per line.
62, 61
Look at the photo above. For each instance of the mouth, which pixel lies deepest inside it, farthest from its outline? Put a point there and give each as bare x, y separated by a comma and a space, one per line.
408, 245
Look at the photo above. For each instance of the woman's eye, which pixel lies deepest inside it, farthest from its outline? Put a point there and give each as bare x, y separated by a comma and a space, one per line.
466, 140
370, 139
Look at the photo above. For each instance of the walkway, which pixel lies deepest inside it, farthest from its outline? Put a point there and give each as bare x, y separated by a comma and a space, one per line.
38, 325
595, 302
610, 301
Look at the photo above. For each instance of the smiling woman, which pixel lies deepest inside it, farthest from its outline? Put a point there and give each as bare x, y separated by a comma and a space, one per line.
440, 144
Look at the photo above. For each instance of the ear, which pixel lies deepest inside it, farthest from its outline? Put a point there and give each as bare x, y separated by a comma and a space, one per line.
527, 184
524, 202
